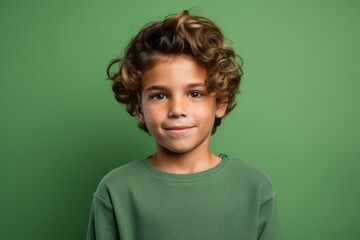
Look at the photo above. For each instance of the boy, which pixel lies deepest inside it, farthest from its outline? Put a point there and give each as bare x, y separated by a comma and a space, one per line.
180, 80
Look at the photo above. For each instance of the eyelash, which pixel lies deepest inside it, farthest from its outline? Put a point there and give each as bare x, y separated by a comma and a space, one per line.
156, 96
199, 94
161, 96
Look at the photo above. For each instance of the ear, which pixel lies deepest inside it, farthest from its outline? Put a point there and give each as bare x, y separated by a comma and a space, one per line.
139, 114
220, 109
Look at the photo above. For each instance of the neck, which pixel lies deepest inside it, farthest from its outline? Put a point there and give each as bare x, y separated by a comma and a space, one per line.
197, 160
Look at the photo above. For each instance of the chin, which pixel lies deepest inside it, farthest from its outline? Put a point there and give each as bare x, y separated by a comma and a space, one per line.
176, 148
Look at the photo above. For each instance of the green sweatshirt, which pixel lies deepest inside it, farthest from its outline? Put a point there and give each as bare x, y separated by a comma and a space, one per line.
233, 200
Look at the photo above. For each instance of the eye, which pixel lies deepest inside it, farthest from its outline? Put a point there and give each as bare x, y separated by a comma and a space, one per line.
158, 96
195, 94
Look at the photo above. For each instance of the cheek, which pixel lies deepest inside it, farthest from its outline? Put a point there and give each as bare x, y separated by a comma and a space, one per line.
152, 115
205, 113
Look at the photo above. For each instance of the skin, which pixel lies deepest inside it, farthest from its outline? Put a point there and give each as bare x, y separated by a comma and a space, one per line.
179, 114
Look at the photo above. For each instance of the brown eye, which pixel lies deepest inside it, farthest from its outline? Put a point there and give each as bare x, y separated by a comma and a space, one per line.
195, 94
159, 96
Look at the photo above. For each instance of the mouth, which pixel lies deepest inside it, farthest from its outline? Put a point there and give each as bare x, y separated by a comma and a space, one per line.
178, 130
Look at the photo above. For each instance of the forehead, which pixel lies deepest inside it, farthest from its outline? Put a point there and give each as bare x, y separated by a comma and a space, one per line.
169, 70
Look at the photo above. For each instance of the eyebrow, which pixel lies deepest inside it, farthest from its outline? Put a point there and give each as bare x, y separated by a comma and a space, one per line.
163, 87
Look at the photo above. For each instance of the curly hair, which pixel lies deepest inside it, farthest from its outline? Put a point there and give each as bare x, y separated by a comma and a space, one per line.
178, 34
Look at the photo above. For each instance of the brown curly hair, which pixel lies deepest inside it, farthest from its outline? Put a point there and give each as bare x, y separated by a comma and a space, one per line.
178, 34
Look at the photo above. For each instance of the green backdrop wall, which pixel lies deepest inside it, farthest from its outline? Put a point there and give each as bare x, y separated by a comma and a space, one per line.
297, 117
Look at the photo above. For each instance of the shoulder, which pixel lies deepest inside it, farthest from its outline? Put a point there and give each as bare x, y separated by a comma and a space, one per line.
120, 177
251, 175
247, 169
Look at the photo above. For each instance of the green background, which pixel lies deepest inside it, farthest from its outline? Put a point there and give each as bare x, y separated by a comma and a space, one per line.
62, 130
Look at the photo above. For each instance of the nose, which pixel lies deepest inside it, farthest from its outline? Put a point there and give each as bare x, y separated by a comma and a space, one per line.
177, 108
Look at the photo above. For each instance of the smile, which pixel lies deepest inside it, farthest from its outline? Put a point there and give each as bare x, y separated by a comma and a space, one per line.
178, 130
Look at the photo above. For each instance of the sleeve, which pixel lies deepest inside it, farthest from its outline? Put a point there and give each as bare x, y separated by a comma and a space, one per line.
269, 226
102, 223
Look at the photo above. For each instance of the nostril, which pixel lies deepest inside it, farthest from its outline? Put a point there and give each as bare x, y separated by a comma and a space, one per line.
176, 113
173, 114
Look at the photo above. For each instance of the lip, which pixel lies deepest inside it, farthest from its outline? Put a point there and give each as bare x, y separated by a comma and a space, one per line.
178, 130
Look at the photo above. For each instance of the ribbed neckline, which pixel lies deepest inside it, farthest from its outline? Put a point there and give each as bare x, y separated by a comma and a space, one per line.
185, 177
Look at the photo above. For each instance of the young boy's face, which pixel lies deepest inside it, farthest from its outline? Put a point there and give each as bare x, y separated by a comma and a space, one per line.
175, 105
